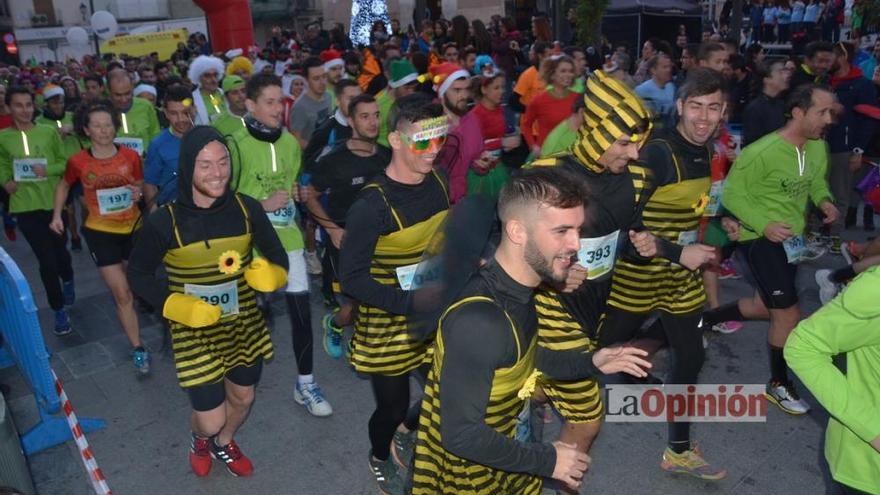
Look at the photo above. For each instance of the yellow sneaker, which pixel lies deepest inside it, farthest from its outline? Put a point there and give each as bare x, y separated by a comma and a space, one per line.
691, 462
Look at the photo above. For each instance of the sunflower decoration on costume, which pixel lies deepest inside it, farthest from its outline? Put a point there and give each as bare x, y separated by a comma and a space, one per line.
229, 262
701, 205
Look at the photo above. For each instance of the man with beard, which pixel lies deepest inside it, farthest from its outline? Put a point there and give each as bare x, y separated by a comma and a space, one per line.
679, 162
209, 235
770, 198
139, 121
160, 167
235, 93
206, 71
267, 161
333, 67
340, 175
484, 365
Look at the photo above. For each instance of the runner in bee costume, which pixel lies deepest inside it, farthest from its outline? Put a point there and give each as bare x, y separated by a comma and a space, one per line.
473, 431
615, 126
205, 240
679, 159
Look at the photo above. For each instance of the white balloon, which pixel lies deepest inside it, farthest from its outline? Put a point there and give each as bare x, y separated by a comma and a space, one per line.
77, 36
104, 24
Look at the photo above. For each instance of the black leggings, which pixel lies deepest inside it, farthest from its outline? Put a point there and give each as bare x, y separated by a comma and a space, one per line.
301, 331
210, 396
51, 252
392, 409
685, 341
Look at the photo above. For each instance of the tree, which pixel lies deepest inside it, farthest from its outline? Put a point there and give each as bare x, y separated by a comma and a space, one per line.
589, 20
363, 14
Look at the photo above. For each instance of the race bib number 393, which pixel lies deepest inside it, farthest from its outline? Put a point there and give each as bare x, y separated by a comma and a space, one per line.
597, 254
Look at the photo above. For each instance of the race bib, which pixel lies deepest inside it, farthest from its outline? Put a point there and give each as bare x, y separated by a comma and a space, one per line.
524, 424
284, 216
23, 169
687, 238
597, 254
415, 276
714, 199
134, 144
794, 248
113, 200
223, 295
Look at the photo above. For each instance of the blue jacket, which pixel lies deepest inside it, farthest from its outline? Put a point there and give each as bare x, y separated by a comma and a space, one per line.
853, 130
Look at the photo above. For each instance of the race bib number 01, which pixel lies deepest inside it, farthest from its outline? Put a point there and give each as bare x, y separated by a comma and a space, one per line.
714, 199
223, 295
794, 248
412, 277
687, 238
113, 200
284, 216
134, 144
597, 254
24, 169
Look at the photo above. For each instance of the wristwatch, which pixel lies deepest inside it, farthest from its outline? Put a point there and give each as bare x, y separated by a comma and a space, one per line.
858, 151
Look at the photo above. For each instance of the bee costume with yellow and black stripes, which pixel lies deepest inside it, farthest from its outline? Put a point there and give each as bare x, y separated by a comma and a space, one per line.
471, 436
570, 321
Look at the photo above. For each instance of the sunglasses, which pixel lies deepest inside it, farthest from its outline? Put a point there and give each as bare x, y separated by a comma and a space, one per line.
420, 146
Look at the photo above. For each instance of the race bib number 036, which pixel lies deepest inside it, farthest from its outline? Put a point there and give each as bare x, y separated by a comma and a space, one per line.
597, 254
284, 216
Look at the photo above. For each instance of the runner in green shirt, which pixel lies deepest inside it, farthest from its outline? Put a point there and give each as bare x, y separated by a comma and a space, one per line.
564, 135
234, 90
139, 121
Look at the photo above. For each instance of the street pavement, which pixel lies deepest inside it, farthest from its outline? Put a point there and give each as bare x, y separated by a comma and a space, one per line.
144, 448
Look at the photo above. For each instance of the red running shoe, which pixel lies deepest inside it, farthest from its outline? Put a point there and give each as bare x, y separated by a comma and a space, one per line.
236, 462
200, 456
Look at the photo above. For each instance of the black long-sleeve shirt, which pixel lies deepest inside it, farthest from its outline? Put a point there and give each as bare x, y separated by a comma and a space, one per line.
156, 238
478, 341
762, 116
370, 217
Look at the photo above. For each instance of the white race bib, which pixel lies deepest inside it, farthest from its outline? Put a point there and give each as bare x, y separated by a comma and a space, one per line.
597, 254
134, 144
687, 238
113, 200
794, 248
23, 169
223, 295
415, 276
284, 216
714, 199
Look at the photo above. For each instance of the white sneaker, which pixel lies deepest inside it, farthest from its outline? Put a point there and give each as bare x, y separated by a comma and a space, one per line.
786, 397
827, 289
309, 395
313, 264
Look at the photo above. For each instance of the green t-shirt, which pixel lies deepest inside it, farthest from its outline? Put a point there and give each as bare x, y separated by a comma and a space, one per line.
384, 100
559, 139
257, 175
71, 144
139, 126
215, 105
228, 124
766, 184
39, 145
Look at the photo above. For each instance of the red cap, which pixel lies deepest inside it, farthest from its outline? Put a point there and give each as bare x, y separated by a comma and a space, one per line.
330, 54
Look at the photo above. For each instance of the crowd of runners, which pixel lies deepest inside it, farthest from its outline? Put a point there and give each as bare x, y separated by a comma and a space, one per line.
622, 187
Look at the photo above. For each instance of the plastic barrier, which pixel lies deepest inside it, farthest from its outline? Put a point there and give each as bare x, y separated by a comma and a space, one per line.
23, 346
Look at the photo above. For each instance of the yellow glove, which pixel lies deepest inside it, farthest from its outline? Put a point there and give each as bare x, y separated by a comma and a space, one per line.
263, 276
190, 311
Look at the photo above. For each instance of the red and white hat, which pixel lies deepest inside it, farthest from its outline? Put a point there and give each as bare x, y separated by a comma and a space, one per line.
443, 75
331, 58
51, 91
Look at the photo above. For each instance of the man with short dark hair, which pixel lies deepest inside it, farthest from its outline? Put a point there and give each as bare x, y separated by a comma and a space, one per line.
818, 60
713, 56
335, 129
160, 167
314, 104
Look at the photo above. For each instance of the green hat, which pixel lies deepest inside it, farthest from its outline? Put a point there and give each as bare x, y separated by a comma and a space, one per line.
402, 72
232, 82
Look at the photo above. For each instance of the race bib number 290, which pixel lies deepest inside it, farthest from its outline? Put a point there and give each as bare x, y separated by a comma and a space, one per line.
223, 295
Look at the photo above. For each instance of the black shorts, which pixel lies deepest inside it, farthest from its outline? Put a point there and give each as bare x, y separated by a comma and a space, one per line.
210, 396
769, 272
107, 248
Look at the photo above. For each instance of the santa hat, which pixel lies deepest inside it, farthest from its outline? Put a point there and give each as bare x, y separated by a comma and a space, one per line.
202, 64
444, 75
402, 73
144, 88
331, 58
51, 91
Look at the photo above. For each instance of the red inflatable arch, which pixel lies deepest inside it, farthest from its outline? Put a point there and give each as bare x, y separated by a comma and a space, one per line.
229, 23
